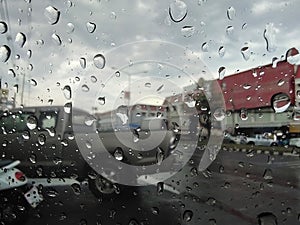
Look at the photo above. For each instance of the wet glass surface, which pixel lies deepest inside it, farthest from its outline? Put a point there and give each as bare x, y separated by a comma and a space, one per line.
149, 112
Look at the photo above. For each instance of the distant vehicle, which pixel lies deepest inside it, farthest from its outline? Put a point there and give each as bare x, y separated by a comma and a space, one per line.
295, 142
239, 139
261, 139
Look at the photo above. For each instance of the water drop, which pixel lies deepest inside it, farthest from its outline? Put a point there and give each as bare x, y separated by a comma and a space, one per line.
85, 88
280, 82
117, 74
268, 174
187, 215
280, 103
4, 53
148, 85
67, 92
32, 158
244, 26
245, 52
270, 37
51, 131
93, 79
26, 135
11, 72
3, 27
88, 144
244, 114
155, 210
177, 11
246, 86
160, 88
82, 62
76, 188
20, 39
68, 107
118, 154
133, 222
56, 39
31, 122
219, 114
205, 47
89, 120
230, 13
70, 27
41, 139
267, 218
187, 31
16, 88
52, 193
91, 27
52, 14
159, 156
229, 30
160, 188
101, 100
99, 61
221, 71
33, 82
29, 54
221, 51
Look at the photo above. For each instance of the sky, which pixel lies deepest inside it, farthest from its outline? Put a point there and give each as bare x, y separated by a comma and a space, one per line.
159, 47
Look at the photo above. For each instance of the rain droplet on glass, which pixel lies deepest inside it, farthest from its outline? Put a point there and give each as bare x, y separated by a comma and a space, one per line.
245, 52
270, 37
187, 215
187, 31
99, 61
101, 100
148, 84
3, 27
67, 92
219, 114
68, 107
93, 79
118, 154
4, 53
117, 73
159, 156
33, 82
222, 71
221, 51
20, 39
229, 30
91, 27
177, 11
70, 27
230, 13
205, 47
56, 39
82, 62
31, 122
85, 88
52, 14
244, 114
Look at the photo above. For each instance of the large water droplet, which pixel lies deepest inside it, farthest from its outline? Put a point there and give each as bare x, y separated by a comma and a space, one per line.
221, 51
52, 14
101, 100
11, 72
280, 82
230, 13
93, 79
82, 62
280, 103
148, 84
26, 135
3, 27
89, 120
268, 174
4, 53
188, 31
270, 37
32, 158
221, 71
91, 27
20, 39
33, 82
70, 27
99, 61
56, 39
187, 215
177, 11
76, 188
31, 122
85, 88
67, 92
267, 218
245, 52
246, 86
118, 154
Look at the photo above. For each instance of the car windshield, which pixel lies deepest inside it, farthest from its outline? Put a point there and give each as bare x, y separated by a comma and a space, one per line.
149, 112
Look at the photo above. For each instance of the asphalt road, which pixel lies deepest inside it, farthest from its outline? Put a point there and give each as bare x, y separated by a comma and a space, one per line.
238, 188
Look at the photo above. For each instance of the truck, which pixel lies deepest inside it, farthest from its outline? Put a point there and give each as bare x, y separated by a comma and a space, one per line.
261, 139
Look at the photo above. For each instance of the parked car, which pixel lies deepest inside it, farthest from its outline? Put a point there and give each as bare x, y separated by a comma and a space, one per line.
239, 139
261, 139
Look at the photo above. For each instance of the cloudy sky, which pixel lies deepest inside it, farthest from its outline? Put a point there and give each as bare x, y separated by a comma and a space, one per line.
159, 47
